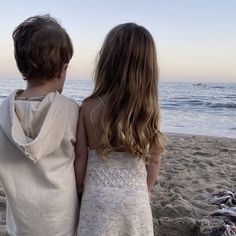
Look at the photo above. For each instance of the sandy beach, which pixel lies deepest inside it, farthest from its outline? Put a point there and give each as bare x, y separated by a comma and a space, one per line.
193, 168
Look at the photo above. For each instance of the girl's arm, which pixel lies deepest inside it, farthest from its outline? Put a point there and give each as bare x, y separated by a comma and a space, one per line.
81, 150
153, 167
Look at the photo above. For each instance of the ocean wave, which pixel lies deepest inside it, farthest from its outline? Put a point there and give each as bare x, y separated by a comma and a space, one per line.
230, 96
221, 105
197, 104
209, 86
210, 104
218, 87
181, 98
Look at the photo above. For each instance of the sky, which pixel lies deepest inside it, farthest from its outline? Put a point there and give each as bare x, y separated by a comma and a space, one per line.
195, 39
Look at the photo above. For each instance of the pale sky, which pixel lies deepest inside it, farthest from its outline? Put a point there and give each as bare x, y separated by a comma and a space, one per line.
195, 39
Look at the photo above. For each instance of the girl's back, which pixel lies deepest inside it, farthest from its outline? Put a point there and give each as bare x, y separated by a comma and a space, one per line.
115, 198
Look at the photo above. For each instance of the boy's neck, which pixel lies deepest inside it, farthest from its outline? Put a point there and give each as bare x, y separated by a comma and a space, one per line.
40, 90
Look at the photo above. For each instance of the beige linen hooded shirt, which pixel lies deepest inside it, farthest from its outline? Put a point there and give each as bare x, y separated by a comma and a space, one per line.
36, 165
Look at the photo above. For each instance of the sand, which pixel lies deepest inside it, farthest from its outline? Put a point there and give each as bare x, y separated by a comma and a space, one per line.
193, 168
2, 213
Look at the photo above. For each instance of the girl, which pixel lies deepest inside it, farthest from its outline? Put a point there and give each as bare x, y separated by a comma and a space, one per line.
119, 141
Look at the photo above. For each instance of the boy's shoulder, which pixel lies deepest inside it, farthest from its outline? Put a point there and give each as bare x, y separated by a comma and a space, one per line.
74, 107
69, 101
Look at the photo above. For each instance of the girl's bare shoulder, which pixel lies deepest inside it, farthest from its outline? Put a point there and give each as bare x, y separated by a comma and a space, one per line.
88, 105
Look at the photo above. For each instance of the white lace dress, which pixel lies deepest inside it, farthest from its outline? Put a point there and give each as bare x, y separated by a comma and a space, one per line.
115, 200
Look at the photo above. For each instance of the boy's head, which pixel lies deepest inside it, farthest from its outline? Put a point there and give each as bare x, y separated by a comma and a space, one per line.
42, 49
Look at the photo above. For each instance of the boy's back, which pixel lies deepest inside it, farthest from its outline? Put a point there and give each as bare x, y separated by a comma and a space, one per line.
37, 135
37, 153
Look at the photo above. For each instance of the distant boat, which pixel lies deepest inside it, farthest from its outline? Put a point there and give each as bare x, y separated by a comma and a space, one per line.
200, 84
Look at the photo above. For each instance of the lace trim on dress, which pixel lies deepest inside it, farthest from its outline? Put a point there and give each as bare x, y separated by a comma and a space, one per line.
117, 178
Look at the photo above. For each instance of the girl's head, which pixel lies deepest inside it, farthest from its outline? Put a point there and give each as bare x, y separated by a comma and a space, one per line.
127, 61
127, 72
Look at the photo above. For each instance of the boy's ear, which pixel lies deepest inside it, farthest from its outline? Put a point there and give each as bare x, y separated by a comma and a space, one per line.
61, 72
65, 66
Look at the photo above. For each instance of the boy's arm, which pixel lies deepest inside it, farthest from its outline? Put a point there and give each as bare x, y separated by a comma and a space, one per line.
153, 167
81, 150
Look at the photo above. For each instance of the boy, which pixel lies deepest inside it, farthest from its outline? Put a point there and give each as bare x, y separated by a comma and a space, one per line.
37, 135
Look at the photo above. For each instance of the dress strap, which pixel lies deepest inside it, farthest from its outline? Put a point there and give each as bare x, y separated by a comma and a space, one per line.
102, 102
91, 113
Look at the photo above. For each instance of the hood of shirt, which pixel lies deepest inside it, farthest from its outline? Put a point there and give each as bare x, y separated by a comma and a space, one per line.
35, 127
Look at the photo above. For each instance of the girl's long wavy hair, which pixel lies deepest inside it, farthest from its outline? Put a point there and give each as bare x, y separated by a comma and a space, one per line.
127, 73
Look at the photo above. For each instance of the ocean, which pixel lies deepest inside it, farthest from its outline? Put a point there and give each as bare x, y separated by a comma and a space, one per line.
189, 108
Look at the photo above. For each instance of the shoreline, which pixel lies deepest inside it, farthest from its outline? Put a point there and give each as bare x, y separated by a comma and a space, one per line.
196, 135
193, 168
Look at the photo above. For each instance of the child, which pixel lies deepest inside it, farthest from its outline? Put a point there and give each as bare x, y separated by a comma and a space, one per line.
37, 135
119, 141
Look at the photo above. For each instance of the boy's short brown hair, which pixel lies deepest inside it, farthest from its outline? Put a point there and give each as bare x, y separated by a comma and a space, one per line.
42, 47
